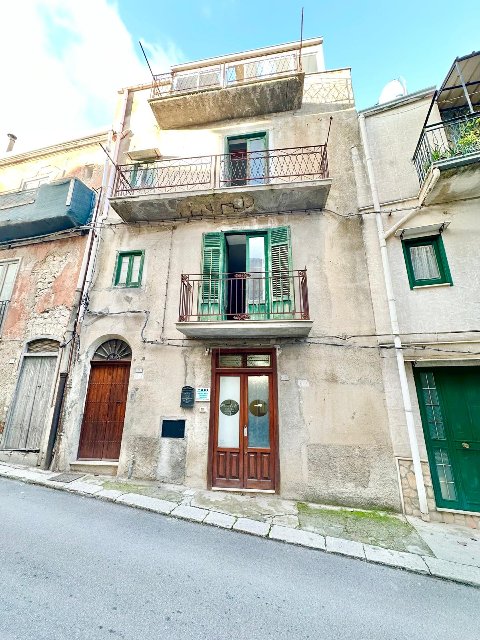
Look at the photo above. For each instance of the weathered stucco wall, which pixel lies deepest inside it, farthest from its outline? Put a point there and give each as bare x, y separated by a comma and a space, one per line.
436, 322
40, 305
393, 133
334, 440
333, 430
48, 269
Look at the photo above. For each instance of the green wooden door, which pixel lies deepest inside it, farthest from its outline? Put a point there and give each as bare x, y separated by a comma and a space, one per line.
449, 400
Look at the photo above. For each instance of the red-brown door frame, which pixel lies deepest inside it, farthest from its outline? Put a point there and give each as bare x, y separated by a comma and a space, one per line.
214, 401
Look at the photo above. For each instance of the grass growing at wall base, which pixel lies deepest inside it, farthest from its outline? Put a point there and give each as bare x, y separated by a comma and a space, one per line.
377, 528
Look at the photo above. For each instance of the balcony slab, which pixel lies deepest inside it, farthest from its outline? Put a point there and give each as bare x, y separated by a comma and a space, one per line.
246, 329
231, 201
245, 100
453, 179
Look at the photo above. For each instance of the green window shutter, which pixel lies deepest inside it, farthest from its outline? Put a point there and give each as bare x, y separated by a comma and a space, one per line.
282, 290
426, 261
129, 268
211, 296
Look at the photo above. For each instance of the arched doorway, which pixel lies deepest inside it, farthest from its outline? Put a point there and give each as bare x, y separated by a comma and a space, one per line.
31, 403
102, 426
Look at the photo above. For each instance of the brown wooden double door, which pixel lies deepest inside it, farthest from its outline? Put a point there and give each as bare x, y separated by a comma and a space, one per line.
244, 434
103, 417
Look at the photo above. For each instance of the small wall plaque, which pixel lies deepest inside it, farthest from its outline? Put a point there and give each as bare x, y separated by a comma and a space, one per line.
187, 397
202, 394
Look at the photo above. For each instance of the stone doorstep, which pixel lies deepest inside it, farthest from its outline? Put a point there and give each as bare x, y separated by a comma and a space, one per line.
451, 571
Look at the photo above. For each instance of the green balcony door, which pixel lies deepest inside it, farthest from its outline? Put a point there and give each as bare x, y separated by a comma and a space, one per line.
246, 275
449, 400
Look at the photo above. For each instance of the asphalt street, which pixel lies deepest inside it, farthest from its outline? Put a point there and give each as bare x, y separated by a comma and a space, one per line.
79, 568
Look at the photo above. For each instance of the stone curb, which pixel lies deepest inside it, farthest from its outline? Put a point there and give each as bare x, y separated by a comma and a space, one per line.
411, 562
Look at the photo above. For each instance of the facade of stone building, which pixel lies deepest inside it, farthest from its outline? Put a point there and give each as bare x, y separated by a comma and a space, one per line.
278, 293
47, 200
229, 337
424, 150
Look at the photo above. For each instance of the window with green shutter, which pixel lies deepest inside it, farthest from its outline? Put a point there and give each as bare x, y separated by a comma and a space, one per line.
129, 268
426, 261
246, 275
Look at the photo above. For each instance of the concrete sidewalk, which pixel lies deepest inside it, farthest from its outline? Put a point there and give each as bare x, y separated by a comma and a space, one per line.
450, 552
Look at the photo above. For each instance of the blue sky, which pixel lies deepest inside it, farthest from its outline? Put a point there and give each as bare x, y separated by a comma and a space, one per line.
416, 39
68, 58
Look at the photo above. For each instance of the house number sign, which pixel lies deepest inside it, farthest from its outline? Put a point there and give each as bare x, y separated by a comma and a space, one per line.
202, 394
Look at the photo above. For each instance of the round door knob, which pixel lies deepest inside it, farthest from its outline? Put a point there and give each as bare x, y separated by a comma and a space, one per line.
465, 445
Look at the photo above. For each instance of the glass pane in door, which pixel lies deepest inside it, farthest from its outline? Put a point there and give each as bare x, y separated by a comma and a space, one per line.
256, 160
229, 412
256, 267
258, 412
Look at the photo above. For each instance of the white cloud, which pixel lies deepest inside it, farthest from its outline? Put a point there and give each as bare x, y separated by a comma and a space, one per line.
63, 62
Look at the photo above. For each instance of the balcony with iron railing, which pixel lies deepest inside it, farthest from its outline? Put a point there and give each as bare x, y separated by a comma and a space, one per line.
447, 159
457, 139
240, 88
242, 305
222, 185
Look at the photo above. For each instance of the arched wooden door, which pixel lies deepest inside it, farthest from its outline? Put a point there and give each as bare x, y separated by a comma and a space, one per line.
104, 414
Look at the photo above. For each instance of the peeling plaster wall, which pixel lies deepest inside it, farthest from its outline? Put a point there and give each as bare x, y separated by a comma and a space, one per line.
43, 294
40, 305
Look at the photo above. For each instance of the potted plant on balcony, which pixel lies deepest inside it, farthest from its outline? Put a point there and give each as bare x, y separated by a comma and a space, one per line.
469, 140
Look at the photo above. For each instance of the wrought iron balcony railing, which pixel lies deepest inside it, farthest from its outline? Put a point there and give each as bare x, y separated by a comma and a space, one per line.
3, 312
274, 295
225, 74
274, 166
447, 140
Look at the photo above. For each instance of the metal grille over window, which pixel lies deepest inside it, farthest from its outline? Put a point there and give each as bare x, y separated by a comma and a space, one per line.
113, 350
257, 360
43, 345
432, 406
445, 475
230, 361
424, 262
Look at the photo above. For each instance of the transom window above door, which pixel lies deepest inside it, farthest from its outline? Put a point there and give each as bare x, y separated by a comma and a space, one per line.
247, 159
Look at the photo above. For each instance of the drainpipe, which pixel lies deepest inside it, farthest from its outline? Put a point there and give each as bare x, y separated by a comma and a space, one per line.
107, 192
407, 405
84, 280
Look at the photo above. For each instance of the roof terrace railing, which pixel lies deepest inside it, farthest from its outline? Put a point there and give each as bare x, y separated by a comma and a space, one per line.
225, 74
272, 166
446, 140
